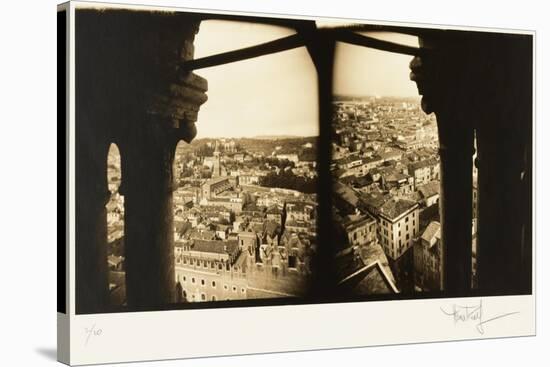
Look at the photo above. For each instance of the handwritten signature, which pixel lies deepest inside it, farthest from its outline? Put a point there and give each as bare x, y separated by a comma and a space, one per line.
89, 332
473, 313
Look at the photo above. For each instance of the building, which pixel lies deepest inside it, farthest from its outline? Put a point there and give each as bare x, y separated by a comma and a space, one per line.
214, 164
210, 270
233, 204
275, 213
299, 210
428, 259
248, 179
215, 186
424, 171
360, 229
429, 193
364, 272
398, 225
293, 157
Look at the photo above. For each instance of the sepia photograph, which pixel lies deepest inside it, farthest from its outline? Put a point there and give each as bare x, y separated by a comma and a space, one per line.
226, 160
274, 183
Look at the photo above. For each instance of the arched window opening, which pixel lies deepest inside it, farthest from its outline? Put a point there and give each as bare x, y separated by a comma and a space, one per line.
115, 228
251, 156
386, 165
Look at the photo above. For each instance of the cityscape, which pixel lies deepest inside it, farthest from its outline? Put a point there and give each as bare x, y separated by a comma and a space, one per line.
244, 219
245, 209
386, 196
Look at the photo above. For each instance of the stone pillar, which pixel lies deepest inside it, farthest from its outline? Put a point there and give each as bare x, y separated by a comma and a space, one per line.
147, 157
482, 82
129, 63
504, 136
91, 222
455, 204
167, 115
443, 80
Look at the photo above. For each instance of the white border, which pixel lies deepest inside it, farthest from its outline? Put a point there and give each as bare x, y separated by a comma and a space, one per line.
232, 331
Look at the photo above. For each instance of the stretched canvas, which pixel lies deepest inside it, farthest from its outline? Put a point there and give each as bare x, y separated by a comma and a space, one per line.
246, 183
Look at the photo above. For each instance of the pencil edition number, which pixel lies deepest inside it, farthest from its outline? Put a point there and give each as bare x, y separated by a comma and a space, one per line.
91, 332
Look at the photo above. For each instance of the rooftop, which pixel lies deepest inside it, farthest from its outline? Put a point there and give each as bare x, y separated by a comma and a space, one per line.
395, 207
216, 247
432, 231
430, 189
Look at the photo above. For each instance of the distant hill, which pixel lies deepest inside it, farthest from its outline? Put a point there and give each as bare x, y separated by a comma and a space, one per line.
267, 144
361, 98
275, 137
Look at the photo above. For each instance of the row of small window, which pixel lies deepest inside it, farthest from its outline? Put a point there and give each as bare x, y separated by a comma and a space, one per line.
406, 220
388, 224
387, 242
213, 284
204, 263
204, 296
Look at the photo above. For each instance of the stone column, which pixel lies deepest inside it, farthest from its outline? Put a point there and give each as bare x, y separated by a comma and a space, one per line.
504, 135
483, 81
130, 64
443, 78
91, 221
455, 204
147, 157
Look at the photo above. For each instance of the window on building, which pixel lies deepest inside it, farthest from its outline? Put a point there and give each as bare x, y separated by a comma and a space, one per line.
213, 284
202, 282
192, 280
203, 297
234, 289
292, 262
214, 298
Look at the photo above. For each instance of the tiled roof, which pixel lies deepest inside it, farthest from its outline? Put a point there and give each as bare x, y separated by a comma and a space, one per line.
430, 189
217, 247
433, 230
422, 164
395, 207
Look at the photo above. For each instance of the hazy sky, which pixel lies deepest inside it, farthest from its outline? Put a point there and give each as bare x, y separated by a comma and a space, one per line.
269, 95
366, 71
277, 94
